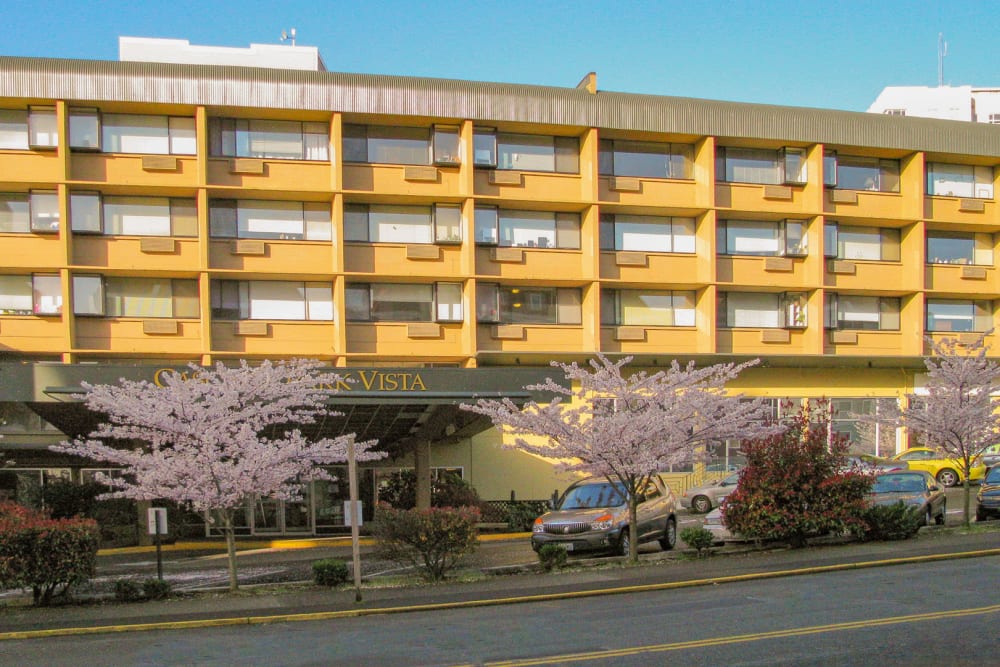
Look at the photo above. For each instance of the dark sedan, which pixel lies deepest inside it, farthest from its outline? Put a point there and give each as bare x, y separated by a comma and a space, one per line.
988, 498
915, 488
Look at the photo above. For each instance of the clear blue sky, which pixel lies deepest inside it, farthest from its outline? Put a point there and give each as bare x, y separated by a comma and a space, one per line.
824, 54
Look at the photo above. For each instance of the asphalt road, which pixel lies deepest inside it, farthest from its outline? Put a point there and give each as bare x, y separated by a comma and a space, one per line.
925, 614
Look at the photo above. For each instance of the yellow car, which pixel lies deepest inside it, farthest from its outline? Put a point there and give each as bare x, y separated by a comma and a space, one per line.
948, 472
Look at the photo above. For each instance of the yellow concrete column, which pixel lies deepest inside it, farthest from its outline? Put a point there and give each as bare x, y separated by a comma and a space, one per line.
336, 158
589, 179
706, 308
912, 182
704, 172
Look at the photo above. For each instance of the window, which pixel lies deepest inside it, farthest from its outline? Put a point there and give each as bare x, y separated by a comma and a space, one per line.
848, 172
656, 308
117, 296
895, 112
994, 119
19, 418
761, 165
865, 313
375, 144
85, 129
274, 139
527, 229
404, 302
90, 212
37, 211
526, 152
757, 310
861, 243
377, 223
38, 294
645, 159
647, 233
271, 300
959, 315
505, 304
155, 135
877, 437
35, 127
959, 248
959, 180
259, 219
762, 238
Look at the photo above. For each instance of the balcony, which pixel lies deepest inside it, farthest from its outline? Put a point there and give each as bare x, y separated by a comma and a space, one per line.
786, 272
650, 340
762, 341
38, 252
40, 335
550, 265
126, 169
965, 211
649, 267
139, 336
272, 257
781, 199
555, 338
529, 186
633, 191
864, 343
30, 167
405, 339
270, 174
275, 338
413, 260
965, 279
866, 275
416, 180
863, 204
147, 253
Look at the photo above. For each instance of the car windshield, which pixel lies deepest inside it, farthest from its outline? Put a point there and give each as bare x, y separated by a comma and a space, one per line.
898, 484
994, 476
597, 494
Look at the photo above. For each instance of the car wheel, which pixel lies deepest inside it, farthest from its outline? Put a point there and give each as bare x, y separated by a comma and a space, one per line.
669, 539
701, 504
940, 517
624, 542
947, 477
981, 515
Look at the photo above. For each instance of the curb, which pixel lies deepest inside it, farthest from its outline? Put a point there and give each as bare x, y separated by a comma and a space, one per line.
522, 599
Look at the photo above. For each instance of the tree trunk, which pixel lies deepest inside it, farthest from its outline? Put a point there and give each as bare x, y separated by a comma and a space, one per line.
422, 472
227, 517
633, 529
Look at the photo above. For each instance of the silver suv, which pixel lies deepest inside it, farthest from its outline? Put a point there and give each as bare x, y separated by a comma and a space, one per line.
592, 515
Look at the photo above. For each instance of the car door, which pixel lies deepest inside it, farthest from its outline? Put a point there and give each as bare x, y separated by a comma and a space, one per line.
651, 514
919, 460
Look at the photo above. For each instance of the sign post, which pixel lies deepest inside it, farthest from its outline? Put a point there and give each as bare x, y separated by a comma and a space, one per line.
156, 518
354, 518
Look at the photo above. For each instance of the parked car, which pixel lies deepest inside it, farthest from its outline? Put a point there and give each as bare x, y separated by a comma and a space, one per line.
703, 498
873, 464
713, 524
990, 459
912, 487
948, 472
988, 498
592, 515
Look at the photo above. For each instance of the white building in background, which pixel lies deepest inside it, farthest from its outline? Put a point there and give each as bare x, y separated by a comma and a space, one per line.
981, 105
183, 52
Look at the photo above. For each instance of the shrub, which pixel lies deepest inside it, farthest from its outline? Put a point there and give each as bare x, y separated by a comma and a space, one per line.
433, 540
127, 590
793, 487
330, 572
45, 554
698, 538
399, 490
156, 589
552, 557
897, 521
521, 514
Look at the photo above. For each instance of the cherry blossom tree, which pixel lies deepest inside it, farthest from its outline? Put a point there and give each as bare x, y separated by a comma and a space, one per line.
215, 438
957, 415
627, 427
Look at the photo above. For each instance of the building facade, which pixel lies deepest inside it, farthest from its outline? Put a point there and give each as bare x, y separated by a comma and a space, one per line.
156, 214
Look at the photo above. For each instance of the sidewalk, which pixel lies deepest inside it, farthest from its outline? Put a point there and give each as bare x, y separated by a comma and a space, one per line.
659, 571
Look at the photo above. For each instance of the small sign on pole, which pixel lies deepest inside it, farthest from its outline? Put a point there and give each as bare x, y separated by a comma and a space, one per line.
349, 516
156, 517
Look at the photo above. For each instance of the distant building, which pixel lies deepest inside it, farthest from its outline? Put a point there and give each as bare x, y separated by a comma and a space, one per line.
980, 105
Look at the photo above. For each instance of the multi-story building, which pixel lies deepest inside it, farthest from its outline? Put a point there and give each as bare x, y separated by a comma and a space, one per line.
969, 103
438, 240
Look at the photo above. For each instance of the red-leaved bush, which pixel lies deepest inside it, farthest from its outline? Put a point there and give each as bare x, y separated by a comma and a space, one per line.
44, 554
795, 485
432, 540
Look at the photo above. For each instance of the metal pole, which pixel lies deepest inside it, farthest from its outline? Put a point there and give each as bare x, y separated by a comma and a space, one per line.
352, 513
159, 554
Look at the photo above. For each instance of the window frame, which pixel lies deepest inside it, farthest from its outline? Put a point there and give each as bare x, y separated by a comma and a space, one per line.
36, 310
616, 305
980, 316
564, 239
608, 162
494, 303
217, 230
885, 307
792, 310
491, 141
435, 302
231, 300
608, 229
239, 128
785, 242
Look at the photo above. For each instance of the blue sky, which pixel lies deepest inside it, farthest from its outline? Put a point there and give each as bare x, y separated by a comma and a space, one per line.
823, 54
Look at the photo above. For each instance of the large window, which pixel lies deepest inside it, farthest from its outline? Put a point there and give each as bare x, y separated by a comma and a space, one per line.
90, 212
35, 127
959, 180
761, 165
117, 296
131, 133
645, 159
402, 145
507, 304
382, 223
36, 211
657, 308
275, 139
37, 294
959, 248
527, 229
849, 172
259, 219
404, 302
867, 423
861, 243
647, 233
866, 313
762, 237
757, 310
526, 152
271, 300
959, 315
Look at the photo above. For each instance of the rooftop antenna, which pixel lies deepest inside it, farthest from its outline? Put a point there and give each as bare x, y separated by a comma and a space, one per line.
290, 34
942, 52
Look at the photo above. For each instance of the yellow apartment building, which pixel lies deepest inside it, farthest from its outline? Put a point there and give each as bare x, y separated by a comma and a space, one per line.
438, 240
